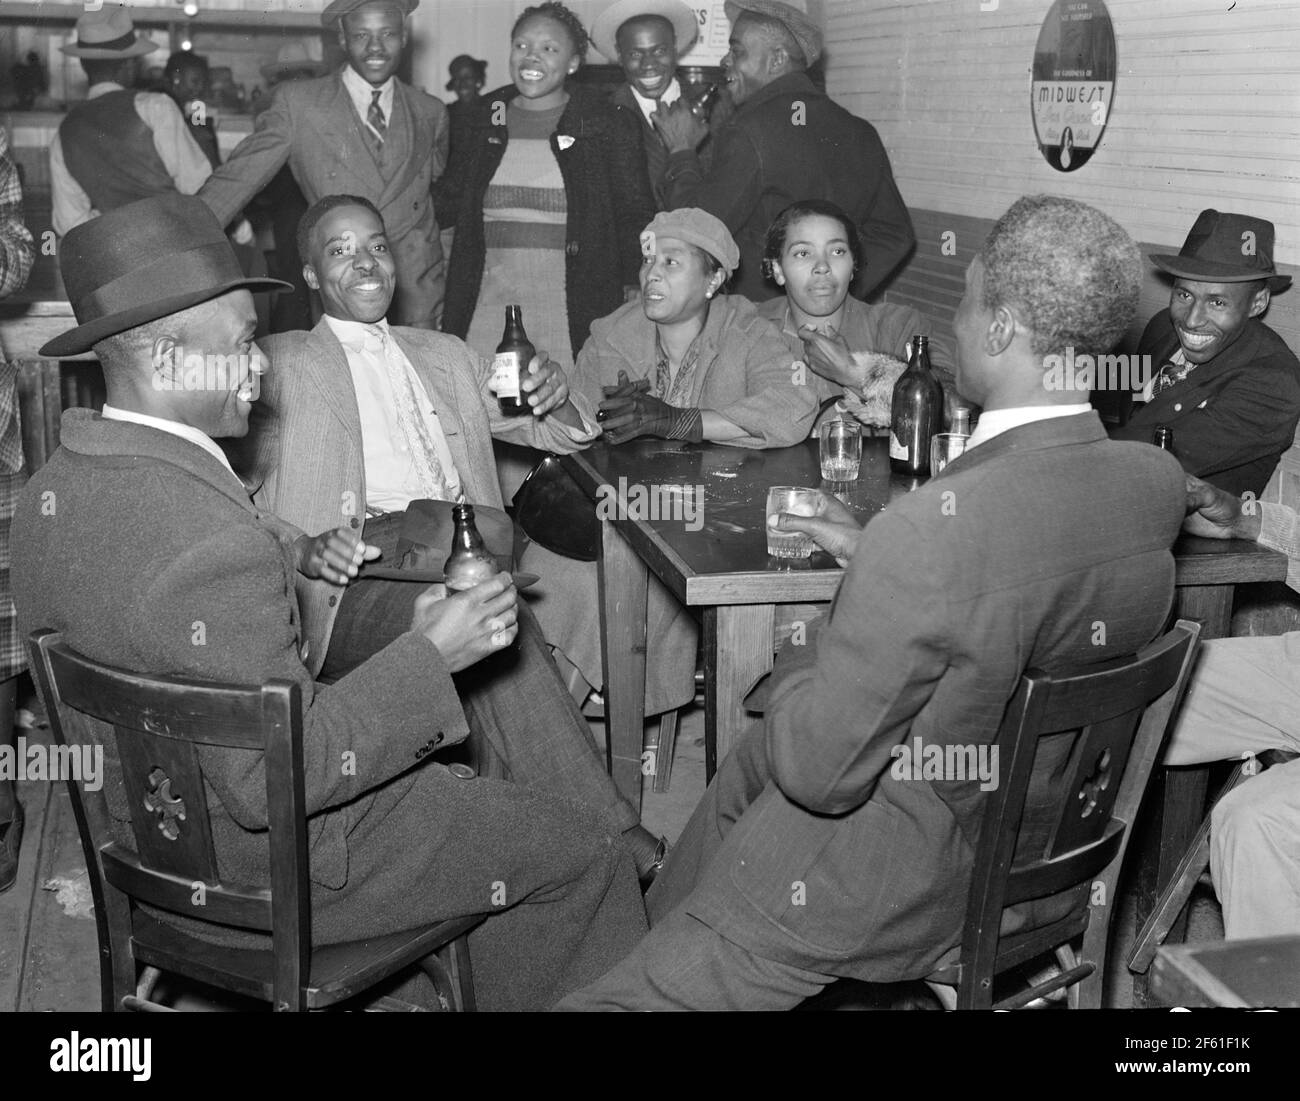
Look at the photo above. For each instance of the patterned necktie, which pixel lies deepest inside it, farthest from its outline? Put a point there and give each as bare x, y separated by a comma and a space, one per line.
419, 442
1171, 374
375, 116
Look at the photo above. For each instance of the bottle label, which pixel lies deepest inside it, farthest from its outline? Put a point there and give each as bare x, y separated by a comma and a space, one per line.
897, 450
505, 374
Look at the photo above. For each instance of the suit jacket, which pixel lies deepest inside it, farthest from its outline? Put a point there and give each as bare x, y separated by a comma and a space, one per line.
656, 153
608, 197
791, 142
305, 444
153, 541
1006, 560
312, 126
1233, 416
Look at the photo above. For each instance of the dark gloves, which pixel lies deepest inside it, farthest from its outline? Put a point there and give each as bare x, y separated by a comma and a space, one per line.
638, 414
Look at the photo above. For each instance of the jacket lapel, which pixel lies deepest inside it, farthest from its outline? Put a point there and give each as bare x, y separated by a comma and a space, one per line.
326, 366
405, 133
1200, 384
348, 138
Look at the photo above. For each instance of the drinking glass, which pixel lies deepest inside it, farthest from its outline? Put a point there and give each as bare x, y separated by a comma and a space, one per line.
944, 447
800, 501
841, 450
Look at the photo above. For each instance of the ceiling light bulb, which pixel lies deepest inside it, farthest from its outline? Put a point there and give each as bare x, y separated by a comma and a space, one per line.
191, 9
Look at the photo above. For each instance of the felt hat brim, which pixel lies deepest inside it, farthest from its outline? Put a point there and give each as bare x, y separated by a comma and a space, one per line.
1214, 271
139, 48
604, 31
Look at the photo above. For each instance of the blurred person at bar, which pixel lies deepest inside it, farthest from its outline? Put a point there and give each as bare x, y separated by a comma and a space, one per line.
143, 490
646, 38
856, 351
361, 420
119, 145
683, 362
1226, 383
787, 141
1244, 699
17, 252
358, 131
468, 75
187, 78
939, 613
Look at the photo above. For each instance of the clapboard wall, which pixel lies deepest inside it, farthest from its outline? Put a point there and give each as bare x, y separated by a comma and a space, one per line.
1206, 114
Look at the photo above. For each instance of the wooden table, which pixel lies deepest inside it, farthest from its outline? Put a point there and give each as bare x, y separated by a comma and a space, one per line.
723, 568
1242, 974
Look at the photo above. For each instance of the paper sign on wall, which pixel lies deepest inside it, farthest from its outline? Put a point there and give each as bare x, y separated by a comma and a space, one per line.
1073, 82
715, 29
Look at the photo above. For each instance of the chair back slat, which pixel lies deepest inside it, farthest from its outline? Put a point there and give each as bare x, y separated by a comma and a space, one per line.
245, 908
287, 814
1118, 715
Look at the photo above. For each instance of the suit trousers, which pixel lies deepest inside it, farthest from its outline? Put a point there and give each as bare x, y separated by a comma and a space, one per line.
684, 964
1244, 698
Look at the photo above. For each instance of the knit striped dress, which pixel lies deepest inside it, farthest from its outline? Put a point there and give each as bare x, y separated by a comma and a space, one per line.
525, 215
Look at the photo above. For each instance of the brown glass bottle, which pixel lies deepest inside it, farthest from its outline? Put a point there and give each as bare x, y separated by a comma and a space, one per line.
704, 105
470, 562
1163, 437
514, 354
916, 413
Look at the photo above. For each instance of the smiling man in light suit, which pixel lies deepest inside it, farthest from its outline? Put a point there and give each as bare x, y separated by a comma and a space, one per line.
359, 131
359, 421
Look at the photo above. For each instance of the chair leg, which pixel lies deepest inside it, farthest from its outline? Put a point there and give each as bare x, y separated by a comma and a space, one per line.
432, 965
664, 750
462, 976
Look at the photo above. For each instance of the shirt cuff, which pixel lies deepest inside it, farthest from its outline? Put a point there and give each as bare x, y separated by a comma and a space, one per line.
589, 430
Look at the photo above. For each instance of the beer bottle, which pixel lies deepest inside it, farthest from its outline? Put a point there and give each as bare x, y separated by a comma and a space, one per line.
514, 354
916, 413
702, 106
1163, 437
470, 562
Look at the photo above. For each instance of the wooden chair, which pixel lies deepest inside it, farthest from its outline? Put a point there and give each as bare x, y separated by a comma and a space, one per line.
1087, 831
1194, 864
160, 723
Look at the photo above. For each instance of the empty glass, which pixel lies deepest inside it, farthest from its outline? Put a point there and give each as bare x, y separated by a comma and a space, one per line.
944, 447
841, 450
800, 501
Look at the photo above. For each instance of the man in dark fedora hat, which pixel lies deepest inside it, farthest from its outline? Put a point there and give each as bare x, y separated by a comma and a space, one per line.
786, 142
360, 131
1226, 383
119, 145
398, 841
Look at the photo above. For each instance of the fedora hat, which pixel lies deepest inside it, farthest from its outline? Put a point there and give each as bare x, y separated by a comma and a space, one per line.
794, 15
337, 10
107, 33
1226, 248
604, 31
144, 261
294, 56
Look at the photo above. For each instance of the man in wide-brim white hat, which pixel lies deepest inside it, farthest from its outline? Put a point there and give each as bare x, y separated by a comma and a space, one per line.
120, 145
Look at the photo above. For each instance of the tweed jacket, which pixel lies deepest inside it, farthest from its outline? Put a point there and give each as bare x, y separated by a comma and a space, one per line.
745, 370
608, 196
305, 445
313, 127
790, 142
147, 554
1008, 559
1232, 417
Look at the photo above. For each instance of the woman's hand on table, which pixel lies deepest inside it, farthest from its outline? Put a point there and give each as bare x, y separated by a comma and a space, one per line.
632, 413
834, 529
1214, 513
333, 556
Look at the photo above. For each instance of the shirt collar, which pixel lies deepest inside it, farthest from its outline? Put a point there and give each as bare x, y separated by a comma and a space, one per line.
174, 428
994, 422
671, 95
352, 334
361, 89
103, 88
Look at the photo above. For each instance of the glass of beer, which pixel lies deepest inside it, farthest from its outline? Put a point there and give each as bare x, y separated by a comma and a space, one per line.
944, 447
841, 450
800, 501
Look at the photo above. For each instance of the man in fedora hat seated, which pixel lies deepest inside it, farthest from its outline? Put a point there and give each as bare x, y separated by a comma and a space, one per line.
787, 141
1226, 383
646, 37
119, 145
140, 545
380, 428
359, 131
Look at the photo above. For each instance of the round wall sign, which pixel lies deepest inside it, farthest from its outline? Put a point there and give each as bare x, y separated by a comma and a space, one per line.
1073, 81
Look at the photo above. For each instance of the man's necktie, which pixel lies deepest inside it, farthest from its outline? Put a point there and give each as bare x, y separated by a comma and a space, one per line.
375, 116
415, 429
1171, 374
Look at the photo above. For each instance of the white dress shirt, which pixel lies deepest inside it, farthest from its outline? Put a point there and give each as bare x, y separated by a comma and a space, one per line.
174, 428
993, 422
362, 92
671, 95
185, 162
391, 479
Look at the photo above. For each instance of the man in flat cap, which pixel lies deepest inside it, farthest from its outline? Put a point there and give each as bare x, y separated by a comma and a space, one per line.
646, 37
787, 141
396, 842
119, 145
359, 131
1226, 383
